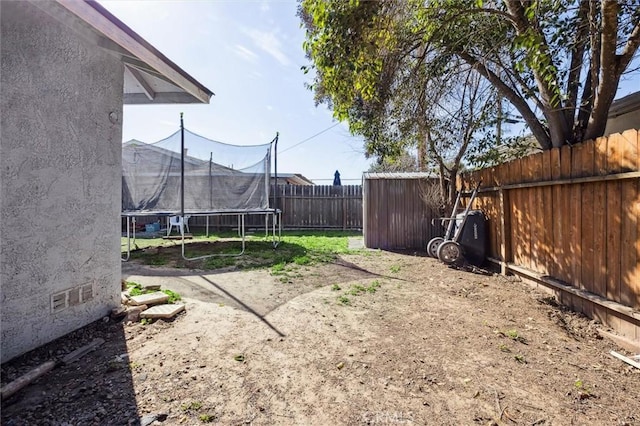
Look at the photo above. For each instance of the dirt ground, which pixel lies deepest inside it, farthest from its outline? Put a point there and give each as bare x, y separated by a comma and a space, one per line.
373, 338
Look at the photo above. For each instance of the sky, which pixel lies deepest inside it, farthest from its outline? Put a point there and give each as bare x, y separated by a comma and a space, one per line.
249, 53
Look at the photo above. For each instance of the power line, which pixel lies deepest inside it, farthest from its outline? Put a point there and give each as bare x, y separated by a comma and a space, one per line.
309, 138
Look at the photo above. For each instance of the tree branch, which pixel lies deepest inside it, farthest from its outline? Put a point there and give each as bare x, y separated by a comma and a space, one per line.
630, 48
546, 79
609, 73
577, 59
540, 133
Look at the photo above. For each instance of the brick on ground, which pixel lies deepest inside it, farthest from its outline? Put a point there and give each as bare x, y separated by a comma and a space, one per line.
154, 298
162, 311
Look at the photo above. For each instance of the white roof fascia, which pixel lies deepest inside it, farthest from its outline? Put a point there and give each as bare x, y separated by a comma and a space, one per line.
115, 30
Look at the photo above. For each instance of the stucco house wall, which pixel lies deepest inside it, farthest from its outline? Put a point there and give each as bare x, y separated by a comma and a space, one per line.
60, 179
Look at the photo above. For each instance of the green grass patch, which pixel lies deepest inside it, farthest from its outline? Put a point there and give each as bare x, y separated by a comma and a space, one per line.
373, 287
191, 406
512, 334
173, 296
302, 260
344, 300
207, 418
356, 290
296, 249
136, 289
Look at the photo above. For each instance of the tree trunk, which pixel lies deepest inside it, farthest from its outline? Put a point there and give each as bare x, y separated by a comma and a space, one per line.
453, 175
559, 130
599, 115
422, 151
609, 70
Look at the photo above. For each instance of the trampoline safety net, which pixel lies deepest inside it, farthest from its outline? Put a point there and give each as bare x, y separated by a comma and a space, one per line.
217, 176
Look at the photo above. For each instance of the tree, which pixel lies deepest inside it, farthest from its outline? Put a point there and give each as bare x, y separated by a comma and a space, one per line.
405, 162
558, 62
441, 106
456, 119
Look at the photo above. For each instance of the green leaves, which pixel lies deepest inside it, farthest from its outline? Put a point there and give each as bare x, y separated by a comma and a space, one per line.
377, 63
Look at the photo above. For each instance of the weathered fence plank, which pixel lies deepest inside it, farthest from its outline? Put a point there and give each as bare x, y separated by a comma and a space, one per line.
585, 233
557, 267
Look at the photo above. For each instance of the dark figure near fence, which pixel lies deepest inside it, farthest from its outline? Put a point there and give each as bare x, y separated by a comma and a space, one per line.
336, 179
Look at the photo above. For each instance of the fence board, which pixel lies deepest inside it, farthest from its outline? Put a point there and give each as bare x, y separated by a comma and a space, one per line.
629, 255
613, 245
600, 227
517, 240
557, 258
546, 215
565, 212
629, 154
493, 227
613, 227
503, 221
528, 210
588, 210
586, 233
537, 220
575, 225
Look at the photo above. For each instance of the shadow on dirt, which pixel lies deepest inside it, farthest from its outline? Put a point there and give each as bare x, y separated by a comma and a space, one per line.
258, 291
243, 305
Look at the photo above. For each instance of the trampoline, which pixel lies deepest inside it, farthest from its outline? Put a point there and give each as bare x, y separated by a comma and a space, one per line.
187, 174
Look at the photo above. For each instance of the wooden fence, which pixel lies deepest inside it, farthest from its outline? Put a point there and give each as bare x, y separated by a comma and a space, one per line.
569, 219
321, 206
303, 207
395, 213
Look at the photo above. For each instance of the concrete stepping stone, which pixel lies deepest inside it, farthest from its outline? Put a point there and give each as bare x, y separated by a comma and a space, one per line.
162, 311
150, 298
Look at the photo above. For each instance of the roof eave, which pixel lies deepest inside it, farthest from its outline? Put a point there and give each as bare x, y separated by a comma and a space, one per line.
117, 31
625, 105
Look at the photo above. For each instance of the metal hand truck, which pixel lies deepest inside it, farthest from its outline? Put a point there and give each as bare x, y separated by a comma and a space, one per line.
458, 239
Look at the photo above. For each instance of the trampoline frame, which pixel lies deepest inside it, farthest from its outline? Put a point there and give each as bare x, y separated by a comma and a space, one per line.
276, 227
274, 213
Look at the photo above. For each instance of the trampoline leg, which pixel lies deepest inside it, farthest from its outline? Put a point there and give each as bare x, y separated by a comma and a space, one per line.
241, 233
207, 226
128, 242
243, 240
276, 218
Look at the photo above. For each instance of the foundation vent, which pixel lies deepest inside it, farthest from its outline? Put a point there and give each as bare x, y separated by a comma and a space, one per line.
71, 297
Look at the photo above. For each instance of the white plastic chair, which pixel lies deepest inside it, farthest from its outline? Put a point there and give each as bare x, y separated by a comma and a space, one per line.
179, 224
